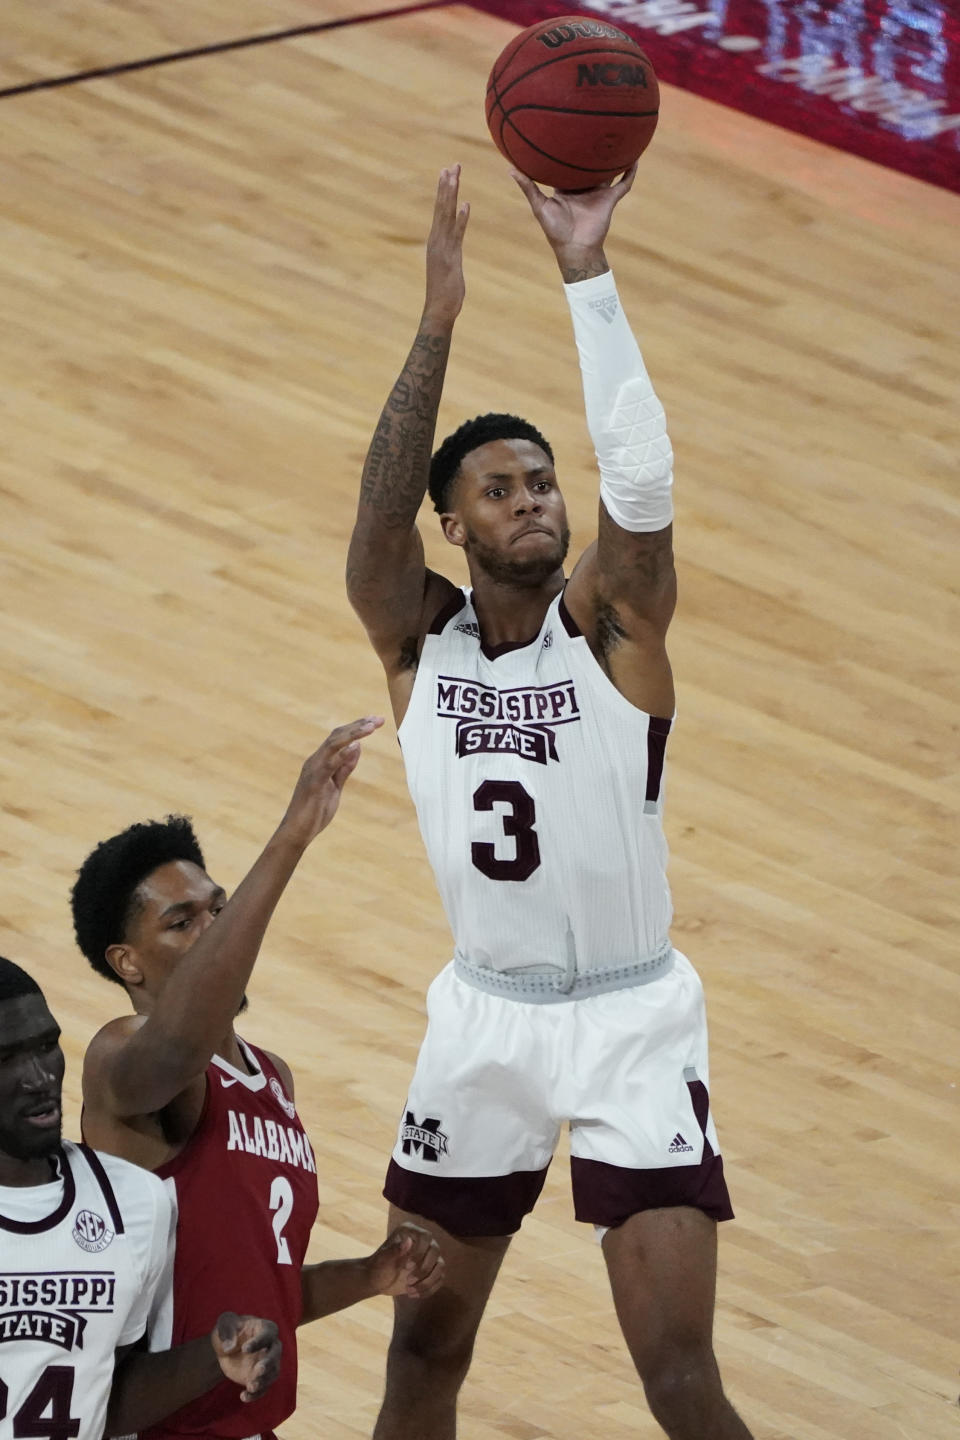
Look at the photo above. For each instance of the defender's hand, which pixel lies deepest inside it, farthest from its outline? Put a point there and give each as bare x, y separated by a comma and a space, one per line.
317, 794
249, 1352
576, 219
445, 285
408, 1263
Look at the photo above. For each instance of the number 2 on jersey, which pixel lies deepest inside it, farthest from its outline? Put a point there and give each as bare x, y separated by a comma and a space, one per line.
517, 826
281, 1200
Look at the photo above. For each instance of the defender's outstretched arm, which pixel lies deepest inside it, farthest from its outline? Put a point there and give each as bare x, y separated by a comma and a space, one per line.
136, 1066
388, 583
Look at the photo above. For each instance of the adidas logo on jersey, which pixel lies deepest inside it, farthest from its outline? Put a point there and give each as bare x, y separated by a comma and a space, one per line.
679, 1146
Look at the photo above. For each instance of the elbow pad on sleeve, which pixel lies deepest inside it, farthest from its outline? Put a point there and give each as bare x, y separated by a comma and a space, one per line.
626, 420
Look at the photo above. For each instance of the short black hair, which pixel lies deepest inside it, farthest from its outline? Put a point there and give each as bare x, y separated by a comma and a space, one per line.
470, 436
14, 981
103, 900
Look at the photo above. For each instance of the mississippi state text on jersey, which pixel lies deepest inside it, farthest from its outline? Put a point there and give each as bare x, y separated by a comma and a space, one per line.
539, 793
246, 1189
80, 1260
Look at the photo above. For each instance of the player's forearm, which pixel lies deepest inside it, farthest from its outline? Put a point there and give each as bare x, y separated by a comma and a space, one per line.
198, 1004
397, 466
334, 1285
147, 1387
626, 419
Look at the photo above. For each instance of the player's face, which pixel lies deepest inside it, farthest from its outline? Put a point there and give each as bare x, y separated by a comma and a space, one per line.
174, 906
508, 513
31, 1080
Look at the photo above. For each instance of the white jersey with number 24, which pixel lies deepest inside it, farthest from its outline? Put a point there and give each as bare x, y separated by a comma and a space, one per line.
80, 1261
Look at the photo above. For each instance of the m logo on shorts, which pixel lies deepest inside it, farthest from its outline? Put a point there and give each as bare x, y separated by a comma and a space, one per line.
425, 1139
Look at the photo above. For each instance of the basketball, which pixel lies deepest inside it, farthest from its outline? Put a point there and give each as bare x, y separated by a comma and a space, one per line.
572, 102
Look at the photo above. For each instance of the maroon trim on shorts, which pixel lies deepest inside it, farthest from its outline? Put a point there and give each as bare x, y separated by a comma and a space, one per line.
466, 1204
609, 1194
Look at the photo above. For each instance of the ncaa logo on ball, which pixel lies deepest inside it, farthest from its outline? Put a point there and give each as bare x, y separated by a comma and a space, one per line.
91, 1232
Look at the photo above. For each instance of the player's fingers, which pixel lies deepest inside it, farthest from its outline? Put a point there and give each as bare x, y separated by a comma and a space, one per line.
264, 1337
349, 762
532, 191
424, 1264
427, 1285
345, 735
625, 183
447, 188
228, 1331
463, 215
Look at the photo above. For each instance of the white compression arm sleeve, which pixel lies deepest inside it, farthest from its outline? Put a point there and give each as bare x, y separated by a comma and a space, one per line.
625, 419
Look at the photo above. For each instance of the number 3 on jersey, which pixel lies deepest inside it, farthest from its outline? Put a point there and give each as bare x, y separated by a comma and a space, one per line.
518, 824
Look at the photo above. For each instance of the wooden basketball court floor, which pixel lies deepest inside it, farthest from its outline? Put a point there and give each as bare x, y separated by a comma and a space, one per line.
209, 275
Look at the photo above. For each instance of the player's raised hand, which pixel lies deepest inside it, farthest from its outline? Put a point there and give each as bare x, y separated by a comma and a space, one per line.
576, 219
408, 1263
445, 284
317, 793
249, 1351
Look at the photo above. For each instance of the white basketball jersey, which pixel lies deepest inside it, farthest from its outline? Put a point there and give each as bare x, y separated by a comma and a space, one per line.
539, 793
80, 1259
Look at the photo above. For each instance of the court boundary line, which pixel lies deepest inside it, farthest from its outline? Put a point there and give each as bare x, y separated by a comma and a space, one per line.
217, 47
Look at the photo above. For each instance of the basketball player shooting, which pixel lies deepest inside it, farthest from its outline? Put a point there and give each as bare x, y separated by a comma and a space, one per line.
84, 1248
533, 713
174, 1088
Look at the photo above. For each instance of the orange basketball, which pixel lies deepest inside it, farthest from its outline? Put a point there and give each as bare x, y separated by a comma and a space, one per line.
572, 102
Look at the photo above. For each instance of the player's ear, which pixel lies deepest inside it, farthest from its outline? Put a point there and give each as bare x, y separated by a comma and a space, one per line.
123, 961
454, 531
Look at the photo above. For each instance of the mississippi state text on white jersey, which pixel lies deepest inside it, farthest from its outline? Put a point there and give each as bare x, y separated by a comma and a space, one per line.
539, 793
80, 1259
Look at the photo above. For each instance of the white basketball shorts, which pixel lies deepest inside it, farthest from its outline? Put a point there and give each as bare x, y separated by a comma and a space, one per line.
496, 1079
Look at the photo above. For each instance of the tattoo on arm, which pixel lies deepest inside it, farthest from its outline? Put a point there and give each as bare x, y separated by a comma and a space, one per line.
581, 267
397, 466
636, 561
409, 657
650, 559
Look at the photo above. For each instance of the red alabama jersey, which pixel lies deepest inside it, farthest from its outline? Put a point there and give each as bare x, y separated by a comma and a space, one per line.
246, 1187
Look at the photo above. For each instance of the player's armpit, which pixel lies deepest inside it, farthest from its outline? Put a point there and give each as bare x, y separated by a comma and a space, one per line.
397, 635
622, 597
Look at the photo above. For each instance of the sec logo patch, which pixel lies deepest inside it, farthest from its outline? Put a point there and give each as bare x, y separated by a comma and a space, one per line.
91, 1232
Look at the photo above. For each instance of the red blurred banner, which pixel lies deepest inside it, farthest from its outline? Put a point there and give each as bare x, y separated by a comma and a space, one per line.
880, 78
